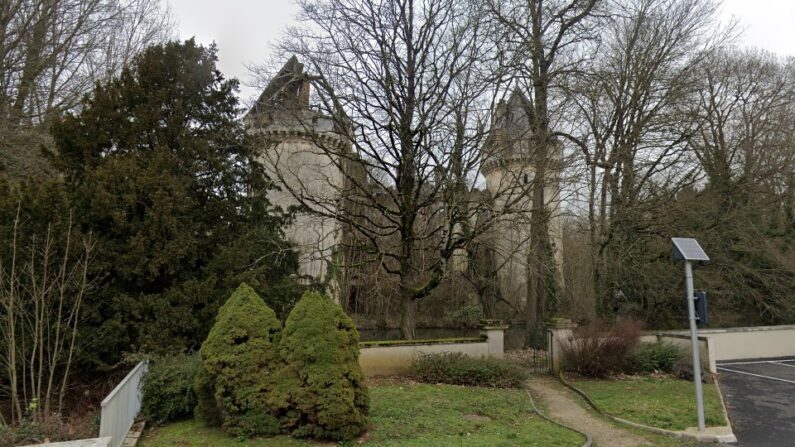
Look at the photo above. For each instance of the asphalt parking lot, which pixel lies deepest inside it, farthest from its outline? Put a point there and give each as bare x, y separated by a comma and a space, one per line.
760, 398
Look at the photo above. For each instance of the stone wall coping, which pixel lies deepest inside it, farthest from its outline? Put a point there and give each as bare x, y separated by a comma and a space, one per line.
786, 327
701, 335
502, 327
561, 325
428, 342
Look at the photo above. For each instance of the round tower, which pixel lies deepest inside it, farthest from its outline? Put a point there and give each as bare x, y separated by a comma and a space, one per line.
299, 155
507, 165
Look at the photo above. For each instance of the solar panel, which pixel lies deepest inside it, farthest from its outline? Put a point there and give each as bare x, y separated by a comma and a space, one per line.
687, 249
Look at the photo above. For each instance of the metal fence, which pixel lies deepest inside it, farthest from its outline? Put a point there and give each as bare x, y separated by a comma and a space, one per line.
121, 406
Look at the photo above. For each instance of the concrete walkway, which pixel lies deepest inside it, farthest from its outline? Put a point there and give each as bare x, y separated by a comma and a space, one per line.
563, 406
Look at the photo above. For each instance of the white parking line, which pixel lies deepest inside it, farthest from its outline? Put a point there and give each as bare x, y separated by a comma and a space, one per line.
759, 362
756, 375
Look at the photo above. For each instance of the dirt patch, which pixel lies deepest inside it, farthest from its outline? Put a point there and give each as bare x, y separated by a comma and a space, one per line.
476, 417
389, 380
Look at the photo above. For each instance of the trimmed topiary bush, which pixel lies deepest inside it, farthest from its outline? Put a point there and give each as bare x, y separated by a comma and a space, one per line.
460, 369
319, 392
651, 357
239, 358
167, 388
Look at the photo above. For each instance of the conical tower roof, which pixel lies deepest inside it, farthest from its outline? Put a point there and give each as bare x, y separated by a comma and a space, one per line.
509, 139
288, 90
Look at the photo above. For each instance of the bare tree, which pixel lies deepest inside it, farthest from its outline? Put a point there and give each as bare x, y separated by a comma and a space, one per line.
741, 108
408, 87
52, 52
535, 39
633, 138
743, 144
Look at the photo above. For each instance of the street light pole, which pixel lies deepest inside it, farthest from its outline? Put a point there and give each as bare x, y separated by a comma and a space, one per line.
691, 307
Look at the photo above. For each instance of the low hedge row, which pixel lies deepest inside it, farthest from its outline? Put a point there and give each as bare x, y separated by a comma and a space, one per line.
460, 369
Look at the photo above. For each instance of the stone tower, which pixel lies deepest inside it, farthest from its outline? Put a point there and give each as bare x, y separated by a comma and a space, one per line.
299, 144
508, 168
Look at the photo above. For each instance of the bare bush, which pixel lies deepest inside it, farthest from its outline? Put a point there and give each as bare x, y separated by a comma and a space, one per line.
43, 284
600, 349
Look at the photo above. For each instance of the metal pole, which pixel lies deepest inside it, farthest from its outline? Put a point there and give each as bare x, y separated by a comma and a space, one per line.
691, 307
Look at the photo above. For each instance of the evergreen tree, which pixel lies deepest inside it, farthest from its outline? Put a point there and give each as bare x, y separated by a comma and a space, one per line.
159, 170
319, 391
239, 358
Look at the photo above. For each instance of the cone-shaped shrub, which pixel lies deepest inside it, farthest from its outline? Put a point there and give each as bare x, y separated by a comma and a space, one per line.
239, 358
320, 393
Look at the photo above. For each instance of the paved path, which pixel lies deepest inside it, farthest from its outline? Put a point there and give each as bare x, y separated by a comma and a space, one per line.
561, 405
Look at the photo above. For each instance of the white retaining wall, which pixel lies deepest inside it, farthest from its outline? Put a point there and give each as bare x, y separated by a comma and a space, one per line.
750, 342
397, 360
391, 360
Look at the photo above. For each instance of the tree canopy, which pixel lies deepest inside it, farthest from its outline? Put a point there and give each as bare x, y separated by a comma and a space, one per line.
157, 166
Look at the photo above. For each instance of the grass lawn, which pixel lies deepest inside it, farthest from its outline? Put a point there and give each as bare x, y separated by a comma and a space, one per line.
660, 402
414, 415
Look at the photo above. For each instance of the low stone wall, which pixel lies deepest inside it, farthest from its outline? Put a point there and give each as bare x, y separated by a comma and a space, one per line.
562, 332
714, 344
397, 359
750, 342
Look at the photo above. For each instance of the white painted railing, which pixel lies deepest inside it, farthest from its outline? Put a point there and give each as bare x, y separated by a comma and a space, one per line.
121, 406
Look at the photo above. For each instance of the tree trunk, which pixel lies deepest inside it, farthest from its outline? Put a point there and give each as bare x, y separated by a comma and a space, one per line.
408, 315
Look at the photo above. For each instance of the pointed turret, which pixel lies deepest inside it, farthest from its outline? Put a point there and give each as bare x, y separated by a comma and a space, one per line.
509, 141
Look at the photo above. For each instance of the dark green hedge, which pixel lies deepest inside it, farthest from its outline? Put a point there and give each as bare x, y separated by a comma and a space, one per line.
167, 388
651, 357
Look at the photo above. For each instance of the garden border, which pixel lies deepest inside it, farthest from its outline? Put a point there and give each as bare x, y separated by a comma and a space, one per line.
702, 437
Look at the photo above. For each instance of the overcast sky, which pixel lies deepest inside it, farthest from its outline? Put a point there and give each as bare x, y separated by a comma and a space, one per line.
245, 30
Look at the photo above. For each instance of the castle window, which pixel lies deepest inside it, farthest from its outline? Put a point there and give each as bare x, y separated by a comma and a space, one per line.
525, 179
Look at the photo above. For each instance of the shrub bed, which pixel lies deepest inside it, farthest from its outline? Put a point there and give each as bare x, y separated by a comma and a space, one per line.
460, 369
168, 388
652, 357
